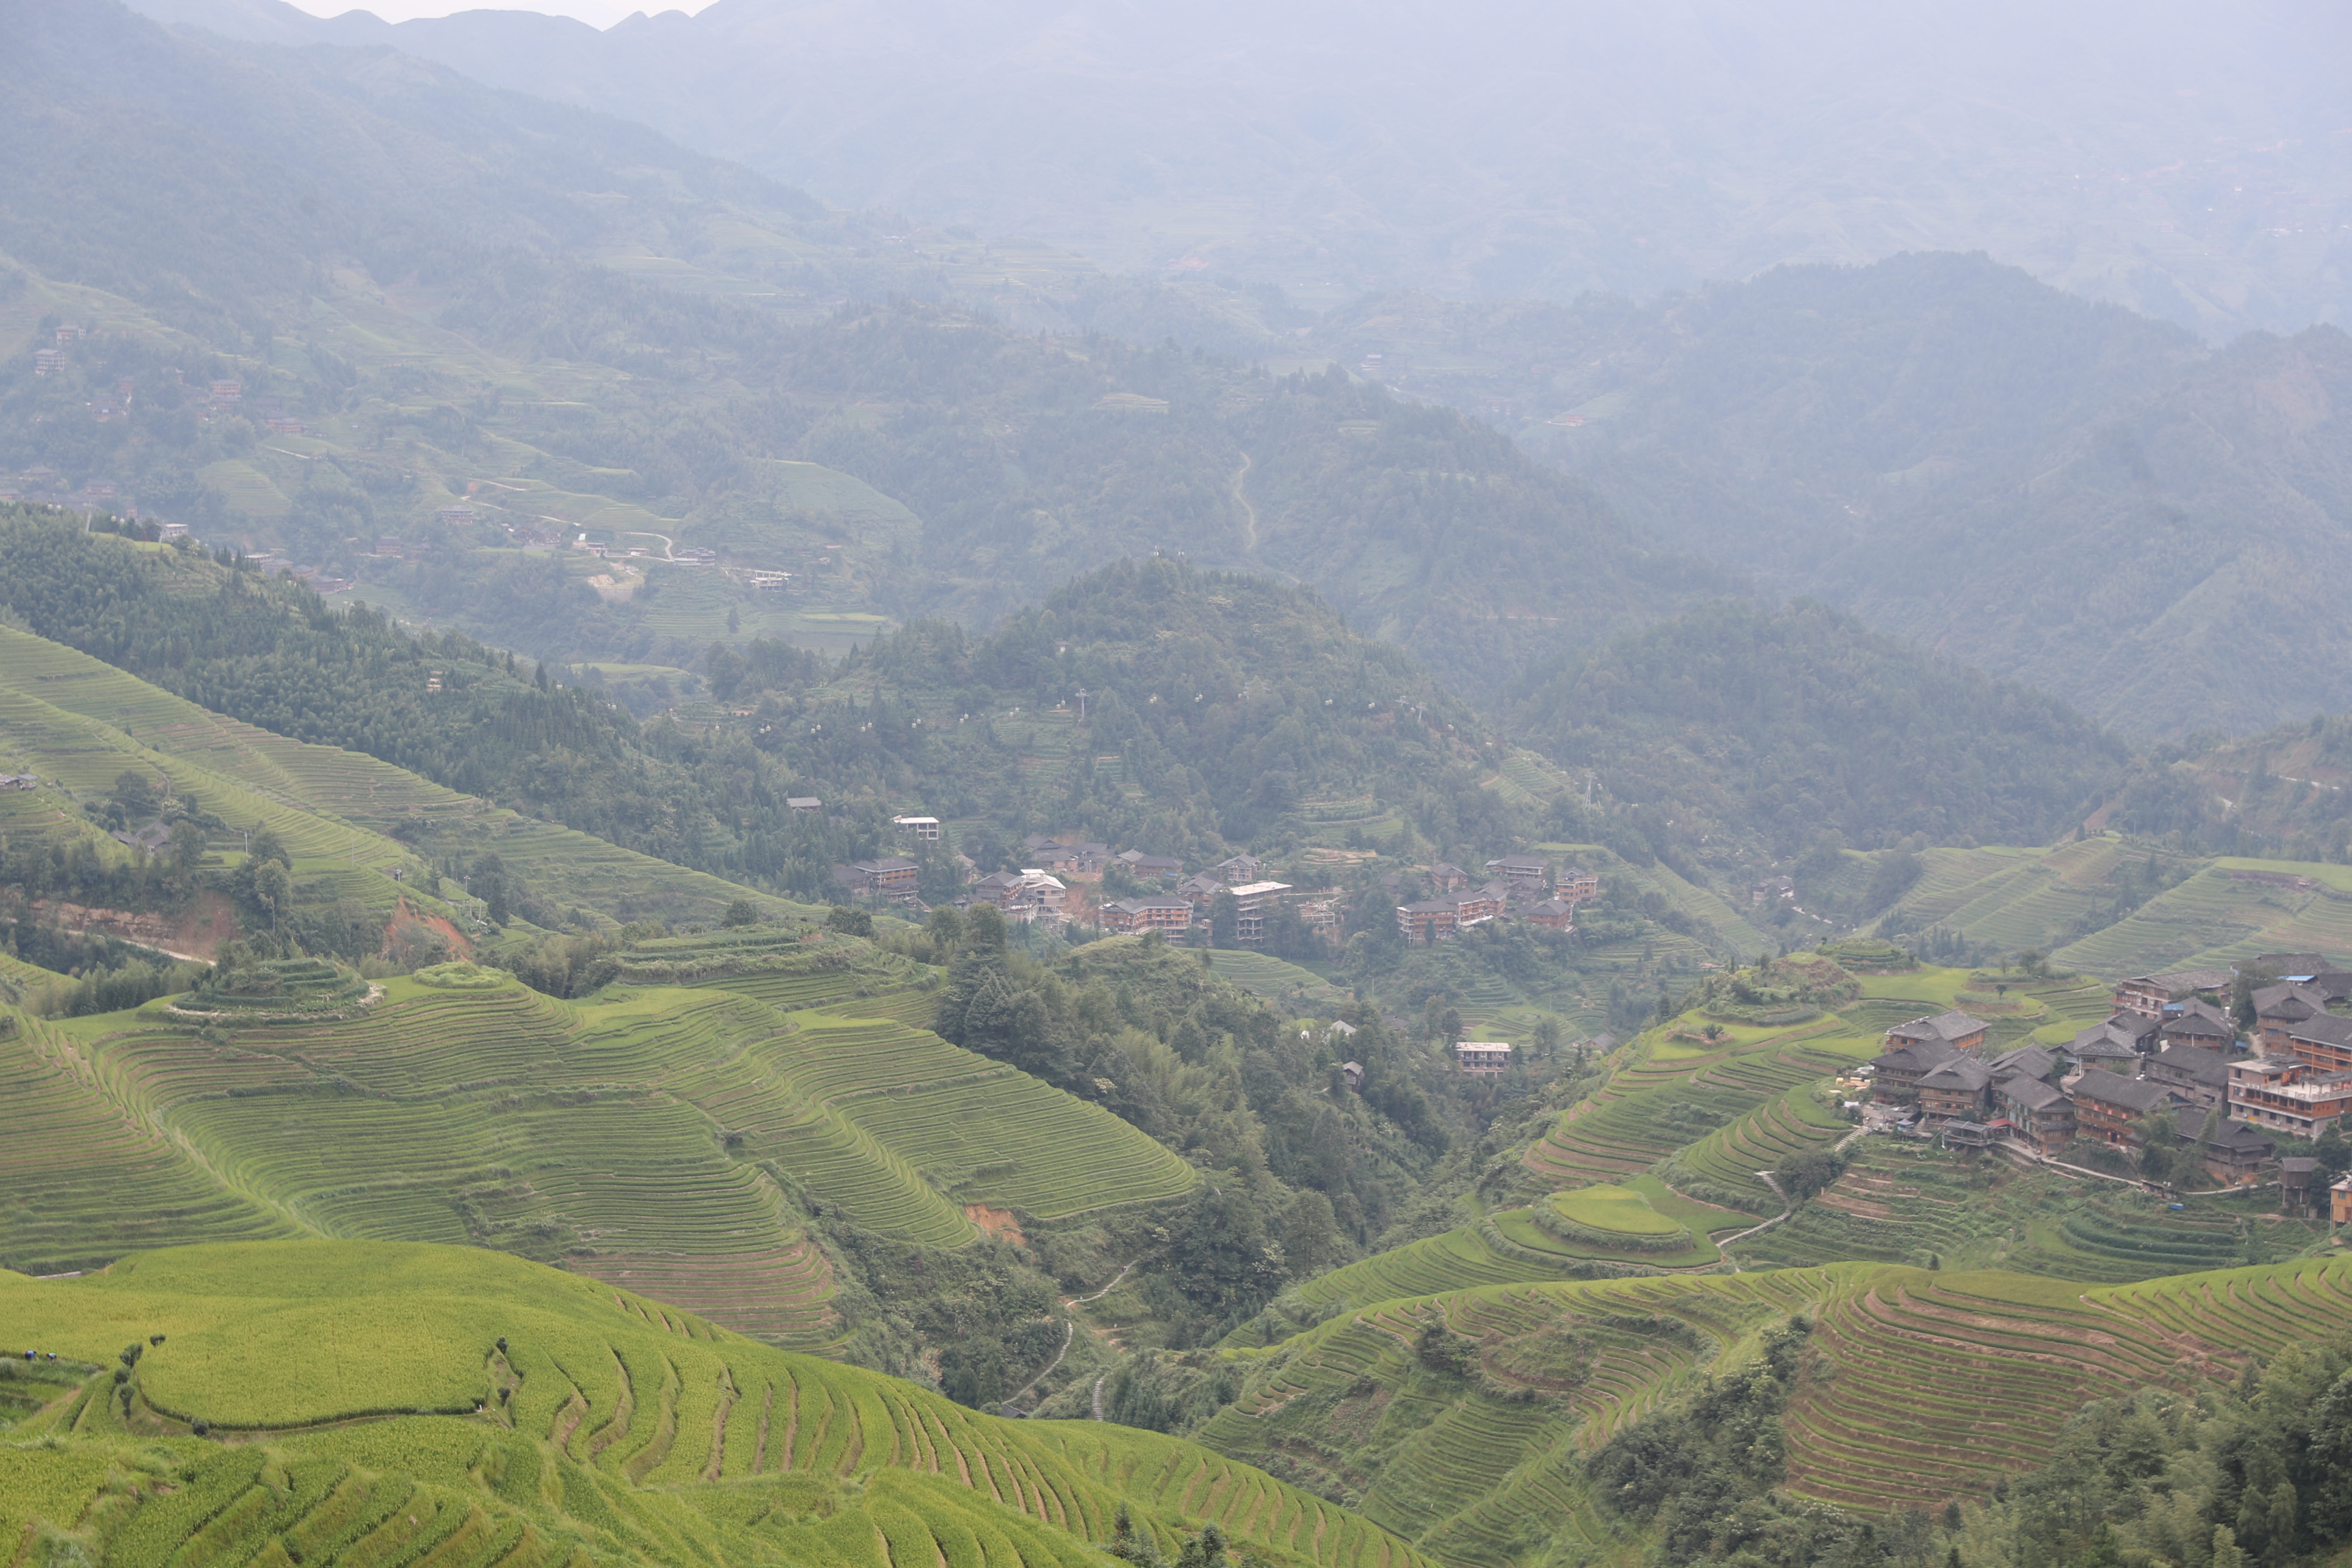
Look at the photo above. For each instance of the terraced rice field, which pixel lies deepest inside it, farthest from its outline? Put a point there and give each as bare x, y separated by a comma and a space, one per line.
1662, 1096
1932, 1384
1464, 1466
86, 1181
328, 805
549, 1409
1272, 978
647, 1139
1784, 1127
2214, 917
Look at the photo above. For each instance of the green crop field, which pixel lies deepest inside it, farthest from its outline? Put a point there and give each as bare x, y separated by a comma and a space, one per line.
2229, 909
66, 716
1274, 978
1933, 1385
371, 1404
644, 1139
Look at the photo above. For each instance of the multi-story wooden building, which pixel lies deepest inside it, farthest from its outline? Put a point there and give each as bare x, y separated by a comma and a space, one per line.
2287, 1094
2195, 1077
2040, 1113
2107, 1104
1956, 1090
1552, 915
2149, 995
2198, 1025
2325, 1042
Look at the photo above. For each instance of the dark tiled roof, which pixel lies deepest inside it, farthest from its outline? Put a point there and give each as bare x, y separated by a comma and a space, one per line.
1917, 1057
2031, 1093
2208, 1067
2135, 1095
1944, 1027
2325, 1029
1963, 1073
2025, 1061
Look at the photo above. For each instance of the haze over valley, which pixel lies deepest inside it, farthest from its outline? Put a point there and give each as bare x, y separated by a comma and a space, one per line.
996, 785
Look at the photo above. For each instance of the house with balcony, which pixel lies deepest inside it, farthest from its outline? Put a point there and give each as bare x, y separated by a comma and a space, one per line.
1521, 870
2149, 995
2325, 1042
1488, 1059
1254, 902
1137, 915
893, 879
2287, 1094
2106, 1106
2041, 1112
1958, 1089
2196, 1077
1577, 886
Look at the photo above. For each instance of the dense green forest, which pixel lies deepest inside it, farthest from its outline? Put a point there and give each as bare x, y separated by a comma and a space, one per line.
1220, 710
1760, 731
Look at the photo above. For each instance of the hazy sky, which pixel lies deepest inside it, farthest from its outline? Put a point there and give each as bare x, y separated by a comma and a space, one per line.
597, 12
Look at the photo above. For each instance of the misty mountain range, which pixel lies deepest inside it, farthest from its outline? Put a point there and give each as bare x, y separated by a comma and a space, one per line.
2192, 161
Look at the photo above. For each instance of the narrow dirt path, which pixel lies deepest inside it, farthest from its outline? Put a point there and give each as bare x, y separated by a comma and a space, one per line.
1787, 1208
1241, 499
1070, 1332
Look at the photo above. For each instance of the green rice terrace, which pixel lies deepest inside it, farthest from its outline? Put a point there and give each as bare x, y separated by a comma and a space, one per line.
1456, 1419
664, 1139
71, 719
321, 1403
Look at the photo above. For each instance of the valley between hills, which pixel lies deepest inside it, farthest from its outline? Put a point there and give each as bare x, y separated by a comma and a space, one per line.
702, 871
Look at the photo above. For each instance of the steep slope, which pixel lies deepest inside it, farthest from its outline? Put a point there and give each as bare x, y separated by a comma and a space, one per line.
2061, 493
642, 369
1766, 729
1472, 1418
658, 1137
392, 1400
345, 814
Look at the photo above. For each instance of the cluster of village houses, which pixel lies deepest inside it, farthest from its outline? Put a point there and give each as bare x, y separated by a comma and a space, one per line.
1518, 886
2170, 1047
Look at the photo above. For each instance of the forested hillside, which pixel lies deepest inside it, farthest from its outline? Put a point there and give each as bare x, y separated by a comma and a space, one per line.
1219, 710
2058, 492
642, 369
1766, 733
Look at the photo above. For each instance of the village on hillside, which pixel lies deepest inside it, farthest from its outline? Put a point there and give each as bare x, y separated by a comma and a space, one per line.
1065, 883
2192, 1078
